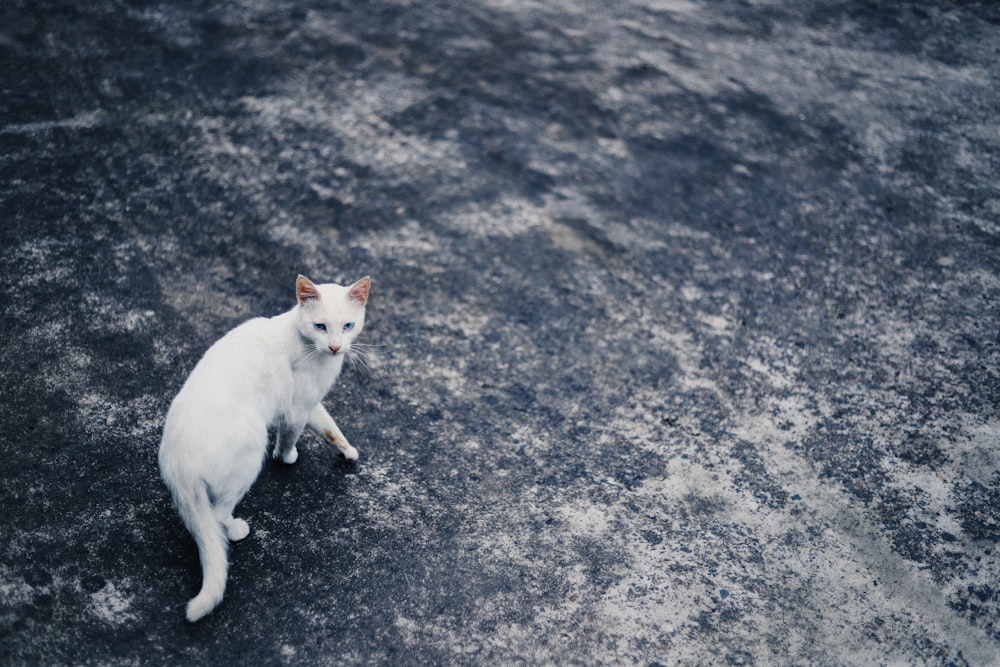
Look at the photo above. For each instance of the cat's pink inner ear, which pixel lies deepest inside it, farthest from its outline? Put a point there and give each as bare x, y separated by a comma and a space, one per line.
305, 290
359, 291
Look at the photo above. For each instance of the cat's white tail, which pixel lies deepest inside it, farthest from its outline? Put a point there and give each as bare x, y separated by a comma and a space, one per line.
195, 509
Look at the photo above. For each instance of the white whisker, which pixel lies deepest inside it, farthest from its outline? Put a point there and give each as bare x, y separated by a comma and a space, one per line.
306, 354
360, 354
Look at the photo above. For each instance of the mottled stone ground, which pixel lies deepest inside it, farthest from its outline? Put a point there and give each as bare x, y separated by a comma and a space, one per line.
688, 315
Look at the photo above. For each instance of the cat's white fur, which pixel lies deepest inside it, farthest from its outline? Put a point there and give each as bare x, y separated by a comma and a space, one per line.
265, 372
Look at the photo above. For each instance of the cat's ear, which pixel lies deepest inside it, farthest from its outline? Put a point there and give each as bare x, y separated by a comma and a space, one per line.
305, 290
359, 291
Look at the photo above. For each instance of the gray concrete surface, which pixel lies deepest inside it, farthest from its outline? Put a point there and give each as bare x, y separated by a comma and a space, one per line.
687, 315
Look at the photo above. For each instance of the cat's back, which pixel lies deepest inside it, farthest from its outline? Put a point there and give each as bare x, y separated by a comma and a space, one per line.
247, 365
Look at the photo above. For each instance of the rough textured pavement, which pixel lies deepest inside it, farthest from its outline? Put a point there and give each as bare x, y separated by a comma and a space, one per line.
687, 313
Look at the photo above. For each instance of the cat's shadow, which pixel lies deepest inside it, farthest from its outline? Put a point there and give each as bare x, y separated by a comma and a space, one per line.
316, 456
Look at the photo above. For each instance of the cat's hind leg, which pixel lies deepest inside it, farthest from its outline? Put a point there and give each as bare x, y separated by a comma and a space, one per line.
229, 490
222, 507
321, 422
234, 529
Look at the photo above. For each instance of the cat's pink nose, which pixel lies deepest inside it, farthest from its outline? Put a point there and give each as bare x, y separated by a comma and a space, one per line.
335, 349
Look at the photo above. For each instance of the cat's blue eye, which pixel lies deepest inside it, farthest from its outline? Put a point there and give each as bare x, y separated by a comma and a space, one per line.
319, 327
348, 326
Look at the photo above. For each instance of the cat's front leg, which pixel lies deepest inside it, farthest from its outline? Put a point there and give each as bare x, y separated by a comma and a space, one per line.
321, 422
287, 435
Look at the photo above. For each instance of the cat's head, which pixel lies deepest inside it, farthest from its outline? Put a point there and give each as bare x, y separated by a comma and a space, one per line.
330, 316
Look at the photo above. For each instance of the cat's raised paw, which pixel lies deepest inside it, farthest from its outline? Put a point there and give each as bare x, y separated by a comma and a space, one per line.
349, 453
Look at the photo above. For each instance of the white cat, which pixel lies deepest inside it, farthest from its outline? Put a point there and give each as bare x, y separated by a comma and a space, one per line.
265, 372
